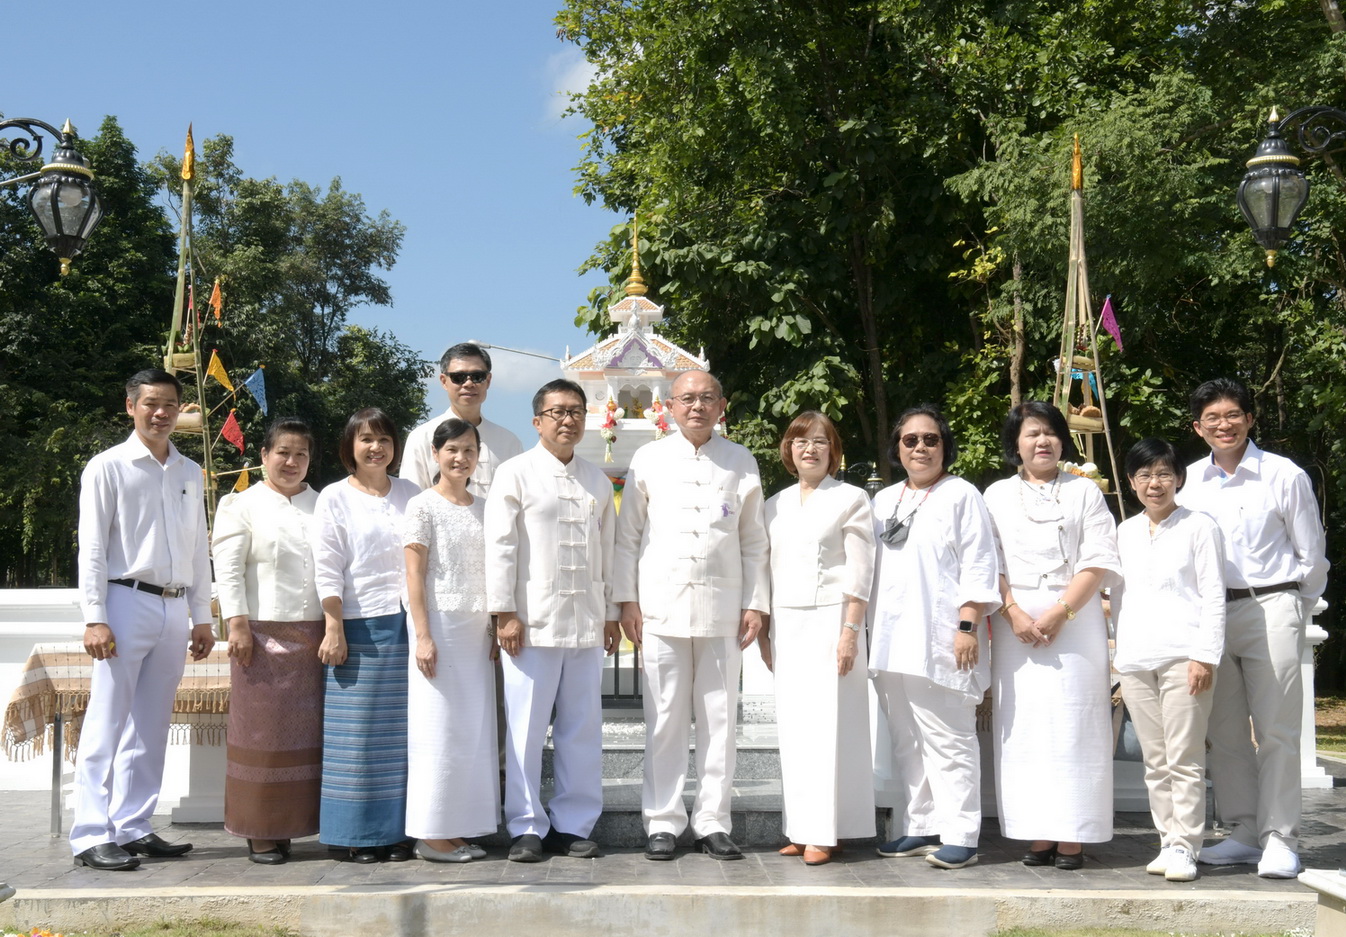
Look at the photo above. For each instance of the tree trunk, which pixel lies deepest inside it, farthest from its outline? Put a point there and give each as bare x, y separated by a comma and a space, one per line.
864, 290
1020, 348
1333, 13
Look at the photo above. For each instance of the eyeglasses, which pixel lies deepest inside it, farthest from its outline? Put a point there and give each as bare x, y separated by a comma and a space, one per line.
561, 414
1212, 420
691, 400
462, 377
929, 440
802, 445
1144, 478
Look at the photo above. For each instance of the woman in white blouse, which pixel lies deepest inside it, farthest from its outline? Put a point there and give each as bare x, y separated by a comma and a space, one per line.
935, 581
822, 561
453, 783
264, 576
1169, 618
1049, 650
357, 552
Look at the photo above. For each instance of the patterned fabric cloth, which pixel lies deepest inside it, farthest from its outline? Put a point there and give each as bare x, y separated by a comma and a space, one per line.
274, 771
455, 578
364, 750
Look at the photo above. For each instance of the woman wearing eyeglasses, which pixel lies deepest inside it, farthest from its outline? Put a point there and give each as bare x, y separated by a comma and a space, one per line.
934, 582
1169, 615
822, 561
1049, 655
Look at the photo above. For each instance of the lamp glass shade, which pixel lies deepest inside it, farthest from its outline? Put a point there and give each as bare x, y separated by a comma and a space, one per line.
67, 210
1294, 192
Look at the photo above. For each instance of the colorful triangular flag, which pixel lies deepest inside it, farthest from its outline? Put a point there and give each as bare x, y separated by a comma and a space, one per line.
232, 431
1108, 319
216, 370
242, 483
216, 302
256, 385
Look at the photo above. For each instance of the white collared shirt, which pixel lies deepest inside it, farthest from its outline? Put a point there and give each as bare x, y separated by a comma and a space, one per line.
139, 519
1269, 517
1170, 604
549, 547
823, 549
1045, 534
357, 547
418, 455
691, 542
263, 557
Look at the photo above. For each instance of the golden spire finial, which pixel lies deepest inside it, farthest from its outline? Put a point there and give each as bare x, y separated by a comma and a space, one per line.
1275, 118
189, 158
69, 128
1076, 168
635, 286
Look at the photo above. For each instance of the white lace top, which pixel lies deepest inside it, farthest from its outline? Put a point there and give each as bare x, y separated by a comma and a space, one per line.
455, 574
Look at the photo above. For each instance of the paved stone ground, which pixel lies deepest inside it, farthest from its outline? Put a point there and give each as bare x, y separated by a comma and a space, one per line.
31, 859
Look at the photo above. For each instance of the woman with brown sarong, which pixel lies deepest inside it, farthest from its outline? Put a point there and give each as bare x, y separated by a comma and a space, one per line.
264, 572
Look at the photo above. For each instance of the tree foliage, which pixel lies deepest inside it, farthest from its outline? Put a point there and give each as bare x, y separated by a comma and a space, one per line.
859, 206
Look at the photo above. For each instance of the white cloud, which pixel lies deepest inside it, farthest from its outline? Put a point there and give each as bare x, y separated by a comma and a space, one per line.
567, 72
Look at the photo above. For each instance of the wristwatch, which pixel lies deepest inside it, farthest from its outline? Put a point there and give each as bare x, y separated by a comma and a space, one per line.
967, 627
1070, 612
851, 625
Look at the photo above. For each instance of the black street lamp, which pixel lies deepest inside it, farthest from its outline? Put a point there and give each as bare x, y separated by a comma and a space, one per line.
1274, 189
63, 199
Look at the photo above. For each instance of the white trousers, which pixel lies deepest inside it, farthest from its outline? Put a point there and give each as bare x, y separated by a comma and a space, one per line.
1257, 790
686, 678
1171, 728
933, 731
570, 680
120, 764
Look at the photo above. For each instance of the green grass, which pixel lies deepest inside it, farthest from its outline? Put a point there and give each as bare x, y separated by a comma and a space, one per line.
1330, 717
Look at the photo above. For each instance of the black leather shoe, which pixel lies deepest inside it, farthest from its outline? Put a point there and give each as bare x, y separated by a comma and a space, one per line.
400, 852
107, 856
570, 844
661, 846
272, 856
719, 846
284, 846
156, 848
526, 848
1070, 861
1040, 857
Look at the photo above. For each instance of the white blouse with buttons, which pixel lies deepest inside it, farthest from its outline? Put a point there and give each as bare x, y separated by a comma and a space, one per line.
357, 547
263, 560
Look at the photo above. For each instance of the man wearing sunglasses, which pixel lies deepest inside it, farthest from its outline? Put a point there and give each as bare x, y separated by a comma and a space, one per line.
465, 374
1275, 569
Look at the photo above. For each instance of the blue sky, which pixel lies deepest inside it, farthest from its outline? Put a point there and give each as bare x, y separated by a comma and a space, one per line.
445, 114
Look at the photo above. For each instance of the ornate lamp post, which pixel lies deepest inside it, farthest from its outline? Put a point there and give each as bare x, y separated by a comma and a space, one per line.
1274, 189
63, 199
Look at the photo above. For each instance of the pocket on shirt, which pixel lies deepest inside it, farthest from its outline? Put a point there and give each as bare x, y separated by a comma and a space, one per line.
725, 509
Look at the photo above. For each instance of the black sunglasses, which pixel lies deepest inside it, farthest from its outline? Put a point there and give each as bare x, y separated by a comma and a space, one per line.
462, 377
931, 440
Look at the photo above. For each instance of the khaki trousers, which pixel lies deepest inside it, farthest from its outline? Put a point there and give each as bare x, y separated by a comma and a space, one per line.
1171, 728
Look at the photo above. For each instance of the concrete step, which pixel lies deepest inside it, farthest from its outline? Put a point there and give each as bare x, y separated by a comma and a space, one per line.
624, 751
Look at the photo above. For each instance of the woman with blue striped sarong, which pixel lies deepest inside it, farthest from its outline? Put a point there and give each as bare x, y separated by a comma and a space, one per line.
357, 551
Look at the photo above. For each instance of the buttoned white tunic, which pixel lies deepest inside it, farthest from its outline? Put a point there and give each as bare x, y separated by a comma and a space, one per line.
549, 548
263, 558
357, 547
418, 455
691, 542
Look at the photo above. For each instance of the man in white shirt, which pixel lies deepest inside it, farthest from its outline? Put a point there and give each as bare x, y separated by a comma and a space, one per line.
143, 569
692, 579
1275, 568
549, 527
465, 374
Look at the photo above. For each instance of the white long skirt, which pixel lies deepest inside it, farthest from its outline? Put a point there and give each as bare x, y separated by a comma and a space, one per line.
827, 769
1053, 727
453, 774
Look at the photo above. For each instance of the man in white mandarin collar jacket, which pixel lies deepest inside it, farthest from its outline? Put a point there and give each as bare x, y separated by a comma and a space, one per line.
692, 578
549, 527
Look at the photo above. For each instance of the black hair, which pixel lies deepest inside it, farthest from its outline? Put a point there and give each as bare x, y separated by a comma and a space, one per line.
464, 350
558, 386
1035, 410
452, 428
1221, 388
288, 426
950, 446
377, 422
1155, 451
151, 376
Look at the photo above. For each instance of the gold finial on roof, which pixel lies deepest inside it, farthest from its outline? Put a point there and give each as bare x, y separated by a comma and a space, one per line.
635, 286
189, 158
1077, 168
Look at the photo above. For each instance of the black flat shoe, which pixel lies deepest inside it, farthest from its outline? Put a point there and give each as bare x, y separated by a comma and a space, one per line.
156, 848
1070, 862
272, 856
364, 855
284, 846
400, 852
1042, 857
109, 857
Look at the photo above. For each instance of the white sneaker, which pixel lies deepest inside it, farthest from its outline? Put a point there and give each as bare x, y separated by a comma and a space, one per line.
1229, 852
1278, 861
1159, 865
1181, 865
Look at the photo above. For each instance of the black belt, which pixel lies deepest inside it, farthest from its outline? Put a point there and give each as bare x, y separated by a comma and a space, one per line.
151, 588
1231, 594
